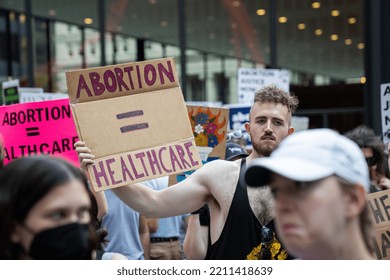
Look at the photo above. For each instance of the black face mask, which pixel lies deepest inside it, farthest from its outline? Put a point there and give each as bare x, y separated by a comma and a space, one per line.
68, 242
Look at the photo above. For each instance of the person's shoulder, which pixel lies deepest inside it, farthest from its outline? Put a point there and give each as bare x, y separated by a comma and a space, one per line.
220, 163
217, 167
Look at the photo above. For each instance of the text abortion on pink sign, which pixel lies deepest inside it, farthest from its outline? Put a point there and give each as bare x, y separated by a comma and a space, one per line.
45, 127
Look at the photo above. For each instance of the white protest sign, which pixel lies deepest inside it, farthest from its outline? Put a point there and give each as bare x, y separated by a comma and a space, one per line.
300, 123
385, 108
25, 97
252, 79
30, 89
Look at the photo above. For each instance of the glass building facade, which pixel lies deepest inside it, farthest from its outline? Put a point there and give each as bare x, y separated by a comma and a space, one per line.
323, 44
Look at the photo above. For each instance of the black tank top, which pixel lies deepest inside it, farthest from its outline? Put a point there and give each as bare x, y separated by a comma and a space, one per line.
240, 238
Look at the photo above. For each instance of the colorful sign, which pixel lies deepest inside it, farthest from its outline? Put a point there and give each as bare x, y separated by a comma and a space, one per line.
134, 119
209, 127
45, 127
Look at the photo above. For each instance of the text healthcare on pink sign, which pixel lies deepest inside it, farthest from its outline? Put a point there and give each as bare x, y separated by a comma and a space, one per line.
45, 127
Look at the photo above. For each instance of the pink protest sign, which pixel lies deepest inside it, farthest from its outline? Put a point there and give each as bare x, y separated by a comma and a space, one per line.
45, 127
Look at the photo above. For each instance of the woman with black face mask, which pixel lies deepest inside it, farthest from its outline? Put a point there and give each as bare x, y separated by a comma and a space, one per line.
44, 211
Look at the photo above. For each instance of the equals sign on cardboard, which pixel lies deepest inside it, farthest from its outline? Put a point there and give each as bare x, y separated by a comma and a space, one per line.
132, 127
32, 131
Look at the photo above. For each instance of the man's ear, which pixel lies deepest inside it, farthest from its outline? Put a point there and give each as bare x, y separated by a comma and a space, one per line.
247, 126
356, 199
291, 130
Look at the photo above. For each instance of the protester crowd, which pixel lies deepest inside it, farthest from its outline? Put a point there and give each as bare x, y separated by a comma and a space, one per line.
294, 195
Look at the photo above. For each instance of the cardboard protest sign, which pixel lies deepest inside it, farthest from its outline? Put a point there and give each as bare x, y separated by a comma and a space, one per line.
133, 118
209, 127
379, 204
45, 127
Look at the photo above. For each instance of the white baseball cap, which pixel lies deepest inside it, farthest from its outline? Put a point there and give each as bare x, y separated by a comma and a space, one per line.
309, 156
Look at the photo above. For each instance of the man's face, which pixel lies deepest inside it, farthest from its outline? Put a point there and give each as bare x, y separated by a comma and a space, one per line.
268, 126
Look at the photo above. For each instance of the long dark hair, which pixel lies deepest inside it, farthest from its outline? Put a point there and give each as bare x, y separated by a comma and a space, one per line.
23, 183
365, 137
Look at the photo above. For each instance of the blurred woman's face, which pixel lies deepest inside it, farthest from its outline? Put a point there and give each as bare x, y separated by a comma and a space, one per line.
309, 216
65, 204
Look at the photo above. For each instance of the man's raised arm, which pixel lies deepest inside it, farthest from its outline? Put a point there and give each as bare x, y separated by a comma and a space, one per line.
184, 197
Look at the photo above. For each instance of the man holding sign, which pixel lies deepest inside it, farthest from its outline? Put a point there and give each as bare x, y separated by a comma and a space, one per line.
237, 214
